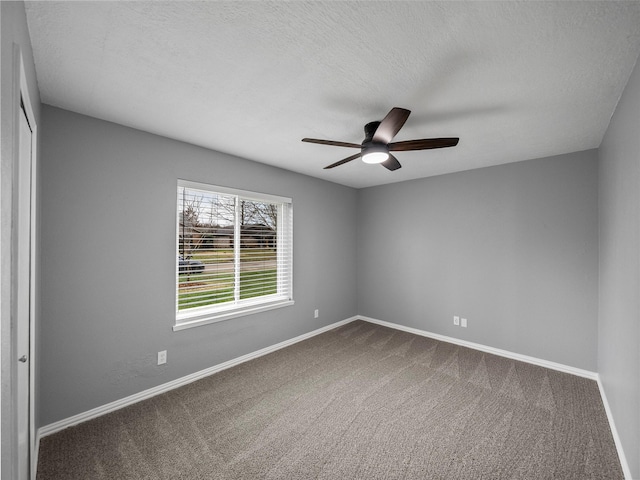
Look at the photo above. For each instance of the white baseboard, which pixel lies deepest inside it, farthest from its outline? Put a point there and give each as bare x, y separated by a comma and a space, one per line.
34, 459
165, 387
616, 438
483, 348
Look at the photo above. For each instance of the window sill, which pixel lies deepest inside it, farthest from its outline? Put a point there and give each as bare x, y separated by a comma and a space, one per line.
208, 318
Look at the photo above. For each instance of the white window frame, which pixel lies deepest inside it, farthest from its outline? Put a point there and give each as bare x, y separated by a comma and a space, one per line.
197, 316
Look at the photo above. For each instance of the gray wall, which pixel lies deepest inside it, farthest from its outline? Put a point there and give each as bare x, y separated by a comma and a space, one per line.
108, 261
619, 312
512, 248
15, 37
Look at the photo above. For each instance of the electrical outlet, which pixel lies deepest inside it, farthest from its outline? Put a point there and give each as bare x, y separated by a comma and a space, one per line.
463, 322
316, 313
456, 320
162, 357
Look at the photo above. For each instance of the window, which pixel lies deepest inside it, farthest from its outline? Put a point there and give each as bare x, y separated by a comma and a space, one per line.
234, 253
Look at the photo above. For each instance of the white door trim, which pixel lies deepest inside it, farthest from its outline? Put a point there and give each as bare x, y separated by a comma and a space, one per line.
24, 97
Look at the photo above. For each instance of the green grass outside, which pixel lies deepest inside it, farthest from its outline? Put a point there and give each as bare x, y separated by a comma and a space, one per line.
219, 289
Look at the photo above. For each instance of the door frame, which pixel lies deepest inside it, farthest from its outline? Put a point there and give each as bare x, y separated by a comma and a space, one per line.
22, 96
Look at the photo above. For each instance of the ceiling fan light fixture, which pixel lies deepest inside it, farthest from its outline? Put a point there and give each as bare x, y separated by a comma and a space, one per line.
375, 154
375, 157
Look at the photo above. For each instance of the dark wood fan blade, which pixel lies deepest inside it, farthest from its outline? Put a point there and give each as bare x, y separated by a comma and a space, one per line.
391, 125
344, 160
331, 142
423, 144
391, 163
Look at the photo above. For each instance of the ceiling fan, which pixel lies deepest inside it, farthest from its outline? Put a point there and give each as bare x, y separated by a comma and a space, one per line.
377, 144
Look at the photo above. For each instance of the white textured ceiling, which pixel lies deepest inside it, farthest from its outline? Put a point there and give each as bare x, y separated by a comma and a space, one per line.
513, 80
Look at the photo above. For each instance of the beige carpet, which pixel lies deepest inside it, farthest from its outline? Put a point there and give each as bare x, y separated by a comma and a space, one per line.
358, 402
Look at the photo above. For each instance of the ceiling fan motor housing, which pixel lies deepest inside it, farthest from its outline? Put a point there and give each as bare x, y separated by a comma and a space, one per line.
371, 147
369, 129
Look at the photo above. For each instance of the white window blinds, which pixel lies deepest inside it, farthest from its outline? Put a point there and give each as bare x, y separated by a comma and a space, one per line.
234, 253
